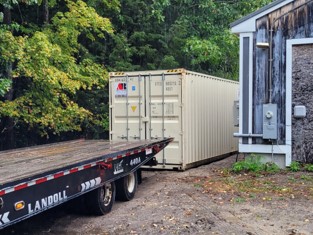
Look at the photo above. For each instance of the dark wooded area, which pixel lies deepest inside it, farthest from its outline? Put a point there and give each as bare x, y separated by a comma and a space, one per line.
55, 57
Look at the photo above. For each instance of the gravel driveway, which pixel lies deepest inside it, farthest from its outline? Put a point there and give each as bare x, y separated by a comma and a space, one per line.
197, 201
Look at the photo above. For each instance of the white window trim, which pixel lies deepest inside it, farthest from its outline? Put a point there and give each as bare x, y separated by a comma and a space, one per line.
250, 36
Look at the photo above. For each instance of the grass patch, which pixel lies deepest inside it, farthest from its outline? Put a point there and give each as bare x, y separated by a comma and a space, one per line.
306, 177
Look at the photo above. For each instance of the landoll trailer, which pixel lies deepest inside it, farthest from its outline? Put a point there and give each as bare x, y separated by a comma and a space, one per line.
36, 179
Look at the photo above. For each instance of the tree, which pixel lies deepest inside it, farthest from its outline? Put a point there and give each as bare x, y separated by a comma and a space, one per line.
54, 56
198, 32
52, 65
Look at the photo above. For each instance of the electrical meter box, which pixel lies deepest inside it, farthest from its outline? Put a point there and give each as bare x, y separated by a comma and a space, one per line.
270, 121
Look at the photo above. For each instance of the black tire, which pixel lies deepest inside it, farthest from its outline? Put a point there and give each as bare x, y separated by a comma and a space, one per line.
101, 200
126, 187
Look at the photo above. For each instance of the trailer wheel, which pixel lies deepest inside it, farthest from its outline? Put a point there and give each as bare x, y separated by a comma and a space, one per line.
100, 200
126, 187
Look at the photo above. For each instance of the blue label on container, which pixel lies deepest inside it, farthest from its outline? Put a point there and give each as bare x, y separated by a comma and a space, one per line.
133, 88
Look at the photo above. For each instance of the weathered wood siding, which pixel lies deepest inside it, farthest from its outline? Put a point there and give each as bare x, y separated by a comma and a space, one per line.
292, 21
260, 85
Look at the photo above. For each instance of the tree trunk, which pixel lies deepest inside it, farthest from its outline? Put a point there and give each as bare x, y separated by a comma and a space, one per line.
45, 6
7, 18
9, 122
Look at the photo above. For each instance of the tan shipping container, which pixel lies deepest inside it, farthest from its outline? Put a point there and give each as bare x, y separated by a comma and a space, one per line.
196, 109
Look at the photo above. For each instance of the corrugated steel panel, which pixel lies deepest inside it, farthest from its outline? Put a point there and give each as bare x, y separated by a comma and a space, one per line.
195, 109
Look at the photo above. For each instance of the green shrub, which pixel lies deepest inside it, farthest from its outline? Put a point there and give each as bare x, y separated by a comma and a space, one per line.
251, 163
309, 167
271, 167
294, 166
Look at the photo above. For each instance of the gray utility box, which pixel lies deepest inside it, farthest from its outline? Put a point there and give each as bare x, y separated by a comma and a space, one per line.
196, 109
236, 113
270, 121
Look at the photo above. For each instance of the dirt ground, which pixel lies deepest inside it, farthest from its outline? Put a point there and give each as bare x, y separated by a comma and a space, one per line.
204, 200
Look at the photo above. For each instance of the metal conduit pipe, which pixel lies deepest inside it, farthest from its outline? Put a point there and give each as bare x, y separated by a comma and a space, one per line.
248, 135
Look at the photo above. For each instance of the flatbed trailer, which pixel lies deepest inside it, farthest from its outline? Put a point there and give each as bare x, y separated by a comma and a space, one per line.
36, 179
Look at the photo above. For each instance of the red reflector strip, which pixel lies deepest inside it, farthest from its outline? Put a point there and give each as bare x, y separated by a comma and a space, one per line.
128, 154
42, 180
87, 166
73, 170
58, 175
2, 192
19, 187
136, 151
119, 156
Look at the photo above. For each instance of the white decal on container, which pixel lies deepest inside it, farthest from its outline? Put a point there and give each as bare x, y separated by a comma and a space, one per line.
120, 89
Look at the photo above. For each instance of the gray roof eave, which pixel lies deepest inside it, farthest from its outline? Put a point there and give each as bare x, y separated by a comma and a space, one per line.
265, 8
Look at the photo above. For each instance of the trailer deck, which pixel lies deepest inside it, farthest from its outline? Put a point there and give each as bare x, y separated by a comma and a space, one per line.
26, 163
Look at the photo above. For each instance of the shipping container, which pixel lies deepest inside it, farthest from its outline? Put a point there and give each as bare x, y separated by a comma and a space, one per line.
196, 109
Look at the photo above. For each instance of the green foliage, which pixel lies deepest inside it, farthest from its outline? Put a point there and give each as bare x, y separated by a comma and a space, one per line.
271, 167
295, 166
48, 60
57, 66
239, 200
306, 178
10, 3
5, 85
253, 164
309, 167
11, 47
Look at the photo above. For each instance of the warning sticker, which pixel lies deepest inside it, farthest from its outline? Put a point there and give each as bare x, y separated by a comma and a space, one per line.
134, 108
120, 89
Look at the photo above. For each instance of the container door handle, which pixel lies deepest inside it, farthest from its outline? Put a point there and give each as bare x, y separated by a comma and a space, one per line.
123, 137
135, 137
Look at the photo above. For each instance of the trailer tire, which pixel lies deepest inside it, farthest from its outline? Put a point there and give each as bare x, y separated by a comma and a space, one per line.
126, 187
101, 200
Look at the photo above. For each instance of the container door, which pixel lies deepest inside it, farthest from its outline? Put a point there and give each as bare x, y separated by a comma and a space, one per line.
127, 108
164, 109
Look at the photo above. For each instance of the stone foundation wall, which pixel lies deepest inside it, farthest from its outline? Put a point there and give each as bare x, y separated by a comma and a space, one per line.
302, 94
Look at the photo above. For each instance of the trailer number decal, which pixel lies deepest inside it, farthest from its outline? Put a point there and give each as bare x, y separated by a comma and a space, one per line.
90, 184
47, 202
135, 161
118, 168
4, 218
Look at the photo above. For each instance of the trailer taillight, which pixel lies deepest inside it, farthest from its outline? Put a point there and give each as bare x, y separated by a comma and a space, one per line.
19, 205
